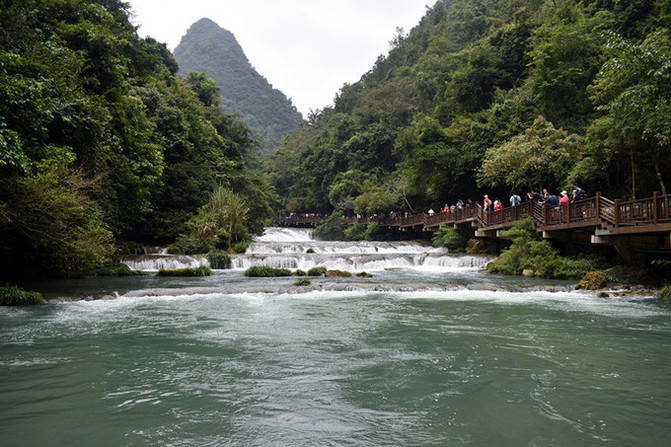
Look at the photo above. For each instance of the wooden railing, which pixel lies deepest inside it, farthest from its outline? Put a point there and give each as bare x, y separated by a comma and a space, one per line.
635, 215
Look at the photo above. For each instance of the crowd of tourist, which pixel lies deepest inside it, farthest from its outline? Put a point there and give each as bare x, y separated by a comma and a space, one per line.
543, 198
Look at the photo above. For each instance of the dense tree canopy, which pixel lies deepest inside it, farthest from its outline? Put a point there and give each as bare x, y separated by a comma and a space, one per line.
100, 142
485, 96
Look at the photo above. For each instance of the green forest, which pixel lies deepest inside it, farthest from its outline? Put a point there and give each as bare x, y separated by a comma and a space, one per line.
104, 148
494, 96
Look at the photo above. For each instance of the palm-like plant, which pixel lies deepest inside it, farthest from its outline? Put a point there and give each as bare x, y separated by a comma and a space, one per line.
228, 211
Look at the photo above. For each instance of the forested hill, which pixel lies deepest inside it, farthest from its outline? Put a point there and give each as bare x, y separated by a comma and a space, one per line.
493, 96
208, 48
101, 144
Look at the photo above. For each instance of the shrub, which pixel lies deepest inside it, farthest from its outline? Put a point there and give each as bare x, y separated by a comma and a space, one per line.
527, 252
355, 232
331, 229
219, 259
363, 275
302, 282
240, 247
16, 296
665, 292
264, 271
309, 251
317, 271
299, 272
198, 271
592, 281
119, 270
337, 273
372, 231
455, 240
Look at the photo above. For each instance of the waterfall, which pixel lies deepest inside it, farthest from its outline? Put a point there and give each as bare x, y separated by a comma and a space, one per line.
294, 248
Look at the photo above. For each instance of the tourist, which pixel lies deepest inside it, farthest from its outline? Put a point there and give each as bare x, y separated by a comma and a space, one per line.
431, 212
551, 201
486, 203
578, 193
535, 197
564, 198
515, 200
498, 205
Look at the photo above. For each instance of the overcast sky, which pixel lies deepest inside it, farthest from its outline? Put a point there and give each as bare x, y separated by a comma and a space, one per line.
306, 48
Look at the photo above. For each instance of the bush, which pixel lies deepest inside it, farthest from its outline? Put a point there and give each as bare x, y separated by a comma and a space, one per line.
331, 229
118, 270
309, 251
665, 292
219, 259
363, 275
317, 271
355, 232
527, 252
299, 272
240, 247
592, 281
337, 273
302, 282
454, 239
16, 296
264, 271
198, 271
372, 231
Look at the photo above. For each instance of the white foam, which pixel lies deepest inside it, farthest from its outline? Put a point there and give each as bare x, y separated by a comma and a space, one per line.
154, 263
274, 234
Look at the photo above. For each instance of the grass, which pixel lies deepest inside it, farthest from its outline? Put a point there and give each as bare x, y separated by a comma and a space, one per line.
338, 273
15, 296
665, 292
302, 282
198, 271
317, 271
219, 259
264, 271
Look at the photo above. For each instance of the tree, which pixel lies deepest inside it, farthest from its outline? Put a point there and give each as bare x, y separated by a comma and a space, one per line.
540, 156
633, 89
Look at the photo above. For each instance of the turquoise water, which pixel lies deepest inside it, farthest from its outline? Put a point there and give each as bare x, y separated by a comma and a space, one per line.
244, 363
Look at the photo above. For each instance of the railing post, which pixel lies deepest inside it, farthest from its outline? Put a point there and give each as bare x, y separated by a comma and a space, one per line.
616, 212
598, 206
545, 216
655, 213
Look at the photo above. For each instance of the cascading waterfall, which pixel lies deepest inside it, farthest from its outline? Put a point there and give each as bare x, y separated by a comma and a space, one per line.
293, 248
296, 249
154, 263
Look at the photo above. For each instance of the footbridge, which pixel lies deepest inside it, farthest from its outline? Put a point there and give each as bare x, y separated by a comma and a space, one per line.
594, 220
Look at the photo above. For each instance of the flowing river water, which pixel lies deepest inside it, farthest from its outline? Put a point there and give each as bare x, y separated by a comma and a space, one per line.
428, 352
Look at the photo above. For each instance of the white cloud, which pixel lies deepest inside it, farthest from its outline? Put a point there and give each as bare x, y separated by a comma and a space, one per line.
306, 48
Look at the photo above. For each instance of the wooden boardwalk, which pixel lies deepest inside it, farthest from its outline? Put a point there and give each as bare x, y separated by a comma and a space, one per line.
598, 214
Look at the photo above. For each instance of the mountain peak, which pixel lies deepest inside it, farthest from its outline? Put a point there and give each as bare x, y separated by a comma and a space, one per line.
206, 47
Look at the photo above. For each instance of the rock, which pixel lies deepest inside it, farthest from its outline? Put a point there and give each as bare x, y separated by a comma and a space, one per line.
527, 272
603, 295
592, 281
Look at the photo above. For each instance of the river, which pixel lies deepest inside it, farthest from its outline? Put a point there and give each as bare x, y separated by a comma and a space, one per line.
428, 352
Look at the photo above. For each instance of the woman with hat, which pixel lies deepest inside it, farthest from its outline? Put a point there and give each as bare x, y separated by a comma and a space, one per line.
487, 203
564, 198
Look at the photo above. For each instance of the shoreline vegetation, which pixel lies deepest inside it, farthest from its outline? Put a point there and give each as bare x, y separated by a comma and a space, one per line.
105, 149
